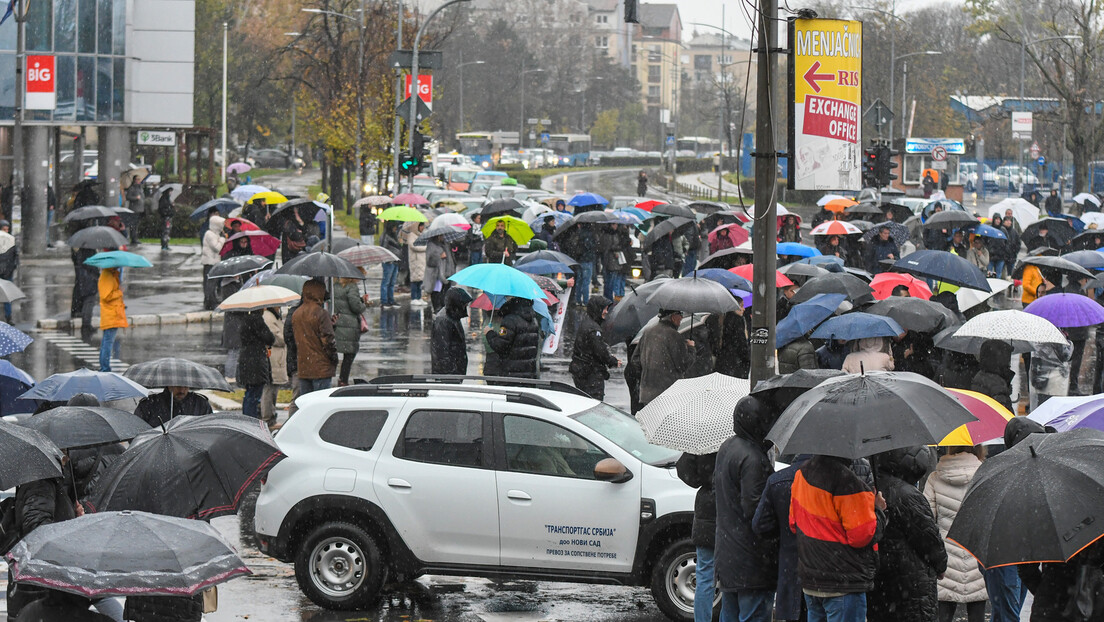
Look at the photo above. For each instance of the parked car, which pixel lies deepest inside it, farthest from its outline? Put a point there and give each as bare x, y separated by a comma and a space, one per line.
1014, 175
271, 158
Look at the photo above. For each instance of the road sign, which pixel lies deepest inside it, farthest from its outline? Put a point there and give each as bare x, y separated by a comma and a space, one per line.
545, 137
670, 139
40, 83
1021, 126
825, 96
938, 154
939, 165
425, 88
883, 116
1041, 161
1035, 150
427, 59
422, 111
156, 139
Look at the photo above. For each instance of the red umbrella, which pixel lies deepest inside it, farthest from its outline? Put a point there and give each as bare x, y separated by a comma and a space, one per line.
736, 232
780, 280
246, 225
886, 282
260, 243
991, 419
648, 205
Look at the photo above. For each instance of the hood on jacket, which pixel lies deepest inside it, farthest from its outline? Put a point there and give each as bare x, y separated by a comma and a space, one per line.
83, 399
907, 463
595, 306
995, 355
958, 469
216, 223
752, 419
1019, 428
456, 303
871, 344
314, 291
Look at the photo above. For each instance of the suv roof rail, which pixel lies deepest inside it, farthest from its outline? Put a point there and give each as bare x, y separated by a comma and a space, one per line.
368, 390
531, 383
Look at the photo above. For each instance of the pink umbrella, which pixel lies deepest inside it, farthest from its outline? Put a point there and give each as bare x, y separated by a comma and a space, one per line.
238, 167
260, 243
736, 232
409, 198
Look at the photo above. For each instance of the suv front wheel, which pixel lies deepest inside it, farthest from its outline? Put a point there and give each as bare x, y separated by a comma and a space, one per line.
674, 581
340, 566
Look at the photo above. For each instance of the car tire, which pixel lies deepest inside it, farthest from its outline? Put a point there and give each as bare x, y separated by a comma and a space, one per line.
673, 581
340, 566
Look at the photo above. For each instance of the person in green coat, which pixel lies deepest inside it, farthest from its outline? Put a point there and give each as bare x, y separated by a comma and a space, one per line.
348, 305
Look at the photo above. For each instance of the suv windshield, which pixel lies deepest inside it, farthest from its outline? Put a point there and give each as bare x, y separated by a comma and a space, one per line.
625, 432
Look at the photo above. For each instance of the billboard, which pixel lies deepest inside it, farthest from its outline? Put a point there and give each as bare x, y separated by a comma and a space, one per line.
825, 75
41, 84
1021, 125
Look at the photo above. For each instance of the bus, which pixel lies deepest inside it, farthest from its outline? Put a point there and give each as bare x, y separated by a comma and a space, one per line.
701, 146
570, 149
484, 148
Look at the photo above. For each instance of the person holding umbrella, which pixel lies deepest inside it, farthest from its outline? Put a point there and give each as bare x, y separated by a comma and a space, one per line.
314, 339
112, 314
349, 304
499, 247
616, 246
277, 364
172, 402
665, 355
440, 265
447, 346
254, 368
213, 241
416, 260
868, 354
389, 240
513, 349
590, 356
879, 248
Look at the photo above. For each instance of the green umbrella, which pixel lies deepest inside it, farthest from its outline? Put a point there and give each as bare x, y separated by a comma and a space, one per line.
402, 213
516, 228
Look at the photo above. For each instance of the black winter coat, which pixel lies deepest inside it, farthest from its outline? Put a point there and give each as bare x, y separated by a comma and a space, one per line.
995, 376
663, 255
87, 277
744, 559
613, 243
253, 366
697, 472
732, 356
516, 342
42, 502
911, 551
772, 520
447, 348
590, 356
289, 343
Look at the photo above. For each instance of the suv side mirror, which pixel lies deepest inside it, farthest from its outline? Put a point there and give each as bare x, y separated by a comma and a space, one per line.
612, 471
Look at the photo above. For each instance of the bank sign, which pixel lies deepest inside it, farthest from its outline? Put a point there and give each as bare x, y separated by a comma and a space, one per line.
826, 104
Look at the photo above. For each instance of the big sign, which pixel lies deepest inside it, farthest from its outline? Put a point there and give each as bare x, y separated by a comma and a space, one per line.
425, 88
826, 95
40, 83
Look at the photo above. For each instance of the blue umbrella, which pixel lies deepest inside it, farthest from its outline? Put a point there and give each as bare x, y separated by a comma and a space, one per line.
105, 385
584, 199
852, 326
989, 232
945, 267
726, 278
795, 249
544, 266
627, 218
1092, 260
118, 259
224, 206
12, 340
496, 278
642, 214
560, 217
804, 317
14, 381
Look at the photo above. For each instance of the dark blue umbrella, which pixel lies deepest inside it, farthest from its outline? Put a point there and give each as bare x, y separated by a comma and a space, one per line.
12, 340
1093, 260
989, 232
795, 249
726, 278
106, 386
224, 206
13, 382
804, 317
544, 266
852, 326
944, 267
584, 199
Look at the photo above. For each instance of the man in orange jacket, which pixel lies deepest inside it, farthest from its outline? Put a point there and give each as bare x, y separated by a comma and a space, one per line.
112, 314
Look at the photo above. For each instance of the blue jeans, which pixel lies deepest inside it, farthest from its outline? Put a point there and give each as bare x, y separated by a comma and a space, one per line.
387, 286
703, 592
415, 290
108, 348
251, 404
996, 267
311, 385
1006, 593
583, 277
689, 262
475, 257
747, 606
614, 285
846, 608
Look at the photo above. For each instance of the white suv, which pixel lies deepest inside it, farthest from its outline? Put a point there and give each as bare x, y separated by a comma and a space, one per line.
407, 476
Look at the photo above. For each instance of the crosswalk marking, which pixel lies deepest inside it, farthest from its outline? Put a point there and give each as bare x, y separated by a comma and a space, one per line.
81, 351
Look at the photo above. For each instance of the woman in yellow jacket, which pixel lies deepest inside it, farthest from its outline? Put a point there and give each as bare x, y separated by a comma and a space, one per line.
112, 314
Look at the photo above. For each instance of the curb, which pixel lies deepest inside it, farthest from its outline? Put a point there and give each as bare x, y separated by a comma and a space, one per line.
162, 319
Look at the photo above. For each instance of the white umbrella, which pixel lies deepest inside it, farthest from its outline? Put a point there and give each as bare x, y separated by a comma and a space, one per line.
970, 298
1022, 210
259, 297
1015, 327
1093, 218
450, 220
694, 415
10, 292
1085, 196
829, 197
536, 210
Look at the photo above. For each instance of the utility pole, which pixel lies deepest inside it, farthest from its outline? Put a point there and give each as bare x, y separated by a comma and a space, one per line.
766, 212
225, 156
17, 126
397, 138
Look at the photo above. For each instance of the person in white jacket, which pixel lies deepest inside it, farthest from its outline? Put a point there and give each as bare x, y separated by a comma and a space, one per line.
213, 239
963, 582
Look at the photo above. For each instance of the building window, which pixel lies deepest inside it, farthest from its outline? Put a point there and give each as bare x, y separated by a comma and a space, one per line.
703, 62
601, 42
654, 54
726, 59
654, 74
603, 19
653, 91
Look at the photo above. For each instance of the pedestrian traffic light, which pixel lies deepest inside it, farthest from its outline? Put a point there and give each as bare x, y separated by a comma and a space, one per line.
632, 12
408, 164
869, 176
884, 165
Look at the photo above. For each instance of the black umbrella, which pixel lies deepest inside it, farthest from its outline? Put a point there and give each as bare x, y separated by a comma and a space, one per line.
339, 244
717, 259
26, 455
784, 389
864, 208
833, 283
861, 415
631, 313
548, 256
952, 219
237, 266
1059, 232
89, 212
900, 212
72, 427
125, 554
916, 314
97, 237
666, 227
668, 209
198, 467
306, 209
1036, 502
596, 217
1052, 263
693, 295
1089, 240
806, 270
943, 266
897, 232
176, 372
224, 206
174, 191
321, 264
709, 207
502, 207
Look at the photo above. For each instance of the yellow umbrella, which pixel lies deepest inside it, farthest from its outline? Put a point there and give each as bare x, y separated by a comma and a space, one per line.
516, 228
270, 197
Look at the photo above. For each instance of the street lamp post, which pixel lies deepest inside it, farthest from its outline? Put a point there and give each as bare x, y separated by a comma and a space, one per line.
460, 68
892, 57
521, 77
1024, 43
904, 84
412, 121
725, 134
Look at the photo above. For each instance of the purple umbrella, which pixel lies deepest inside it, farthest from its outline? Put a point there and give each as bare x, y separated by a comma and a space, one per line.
1067, 413
1067, 310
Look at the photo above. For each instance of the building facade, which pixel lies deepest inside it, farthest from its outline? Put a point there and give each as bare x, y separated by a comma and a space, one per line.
656, 59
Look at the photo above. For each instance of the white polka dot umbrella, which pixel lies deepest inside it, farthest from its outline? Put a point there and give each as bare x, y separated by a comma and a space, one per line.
694, 415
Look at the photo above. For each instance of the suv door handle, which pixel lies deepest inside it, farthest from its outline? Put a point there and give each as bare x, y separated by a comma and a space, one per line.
395, 482
518, 495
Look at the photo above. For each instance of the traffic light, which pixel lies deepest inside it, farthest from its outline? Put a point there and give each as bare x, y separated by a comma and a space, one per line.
407, 163
869, 176
632, 12
418, 148
884, 165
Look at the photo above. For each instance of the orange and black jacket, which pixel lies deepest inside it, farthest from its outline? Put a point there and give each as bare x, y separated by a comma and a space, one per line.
832, 512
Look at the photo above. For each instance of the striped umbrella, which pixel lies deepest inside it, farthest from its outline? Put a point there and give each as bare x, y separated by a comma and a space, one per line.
176, 372
835, 227
991, 415
367, 255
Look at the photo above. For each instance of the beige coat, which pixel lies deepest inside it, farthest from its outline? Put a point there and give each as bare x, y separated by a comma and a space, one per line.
870, 355
416, 255
945, 489
277, 357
